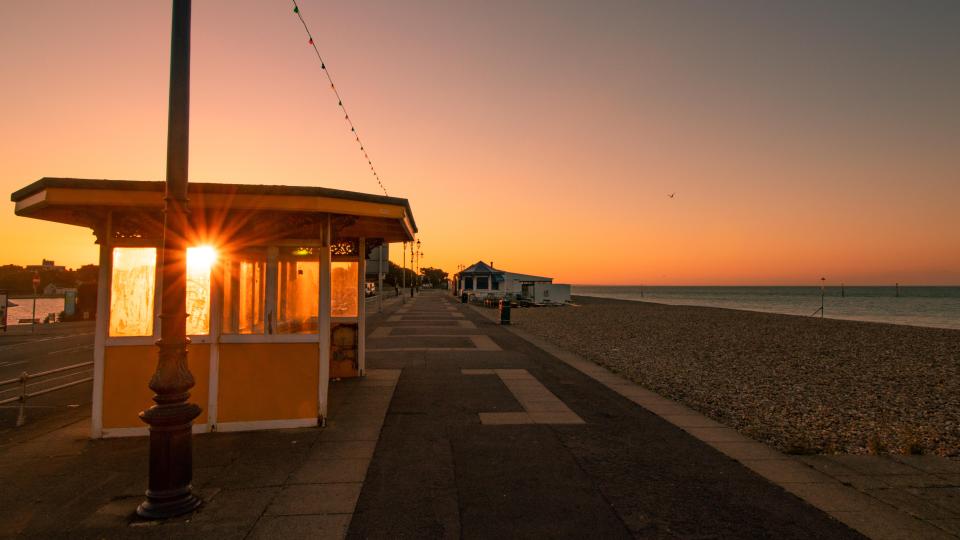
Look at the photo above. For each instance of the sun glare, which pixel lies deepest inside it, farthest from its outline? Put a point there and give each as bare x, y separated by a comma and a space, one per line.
201, 258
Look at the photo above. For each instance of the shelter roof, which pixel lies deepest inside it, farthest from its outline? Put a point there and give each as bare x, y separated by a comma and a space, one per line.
525, 277
481, 268
87, 202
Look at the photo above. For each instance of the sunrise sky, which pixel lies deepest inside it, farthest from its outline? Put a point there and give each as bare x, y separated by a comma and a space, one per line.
802, 139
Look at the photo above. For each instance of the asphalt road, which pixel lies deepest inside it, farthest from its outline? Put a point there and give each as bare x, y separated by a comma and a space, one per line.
50, 347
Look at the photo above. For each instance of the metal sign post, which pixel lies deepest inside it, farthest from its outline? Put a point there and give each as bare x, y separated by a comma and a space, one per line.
33, 317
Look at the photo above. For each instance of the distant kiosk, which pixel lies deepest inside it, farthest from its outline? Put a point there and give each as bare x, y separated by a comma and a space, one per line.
483, 280
275, 294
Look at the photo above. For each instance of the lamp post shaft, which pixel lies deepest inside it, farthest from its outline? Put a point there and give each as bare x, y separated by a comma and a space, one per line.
169, 492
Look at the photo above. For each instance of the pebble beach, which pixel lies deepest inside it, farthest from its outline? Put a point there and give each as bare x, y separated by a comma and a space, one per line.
801, 384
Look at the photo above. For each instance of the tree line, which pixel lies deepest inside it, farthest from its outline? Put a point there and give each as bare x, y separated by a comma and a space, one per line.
395, 276
16, 279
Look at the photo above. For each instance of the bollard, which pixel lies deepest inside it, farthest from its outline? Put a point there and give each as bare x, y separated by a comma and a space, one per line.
22, 416
463, 298
504, 310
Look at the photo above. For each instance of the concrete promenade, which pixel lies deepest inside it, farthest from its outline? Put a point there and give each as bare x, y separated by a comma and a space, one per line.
509, 441
462, 429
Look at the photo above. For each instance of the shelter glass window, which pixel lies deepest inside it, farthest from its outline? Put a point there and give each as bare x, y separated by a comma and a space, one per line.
132, 290
299, 291
495, 285
468, 283
344, 288
244, 293
483, 282
200, 261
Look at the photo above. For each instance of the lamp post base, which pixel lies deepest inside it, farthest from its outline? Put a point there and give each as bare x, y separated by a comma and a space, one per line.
168, 505
169, 493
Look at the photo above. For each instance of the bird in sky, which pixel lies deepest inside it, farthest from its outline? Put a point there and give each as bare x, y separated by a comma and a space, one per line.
671, 195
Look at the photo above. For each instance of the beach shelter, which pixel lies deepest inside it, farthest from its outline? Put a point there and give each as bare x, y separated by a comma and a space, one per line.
480, 277
275, 293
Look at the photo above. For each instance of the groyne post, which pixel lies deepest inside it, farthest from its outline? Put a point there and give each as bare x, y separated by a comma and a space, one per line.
822, 284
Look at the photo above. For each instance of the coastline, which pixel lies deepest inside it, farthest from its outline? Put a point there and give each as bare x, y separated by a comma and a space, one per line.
804, 385
926, 306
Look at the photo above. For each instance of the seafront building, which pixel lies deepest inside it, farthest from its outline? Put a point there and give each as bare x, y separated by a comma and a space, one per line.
46, 266
482, 279
275, 290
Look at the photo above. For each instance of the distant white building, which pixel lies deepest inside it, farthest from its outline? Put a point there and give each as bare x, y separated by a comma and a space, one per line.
483, 279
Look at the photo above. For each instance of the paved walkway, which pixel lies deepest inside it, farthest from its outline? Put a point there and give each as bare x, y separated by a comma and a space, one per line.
510, 441
464, 428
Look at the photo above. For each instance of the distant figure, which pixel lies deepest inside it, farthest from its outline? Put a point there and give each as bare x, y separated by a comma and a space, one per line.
672, 195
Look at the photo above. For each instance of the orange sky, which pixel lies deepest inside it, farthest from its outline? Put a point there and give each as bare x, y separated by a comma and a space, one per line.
801, 140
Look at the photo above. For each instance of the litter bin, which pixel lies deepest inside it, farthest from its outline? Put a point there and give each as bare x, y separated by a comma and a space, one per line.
463, 298
504, 311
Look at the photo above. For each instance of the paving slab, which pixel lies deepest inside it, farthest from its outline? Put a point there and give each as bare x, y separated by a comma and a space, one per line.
320, 527
873, 465
786, 471
430, 330
912, 504
324, 449
505, 418
931, 464
240, 506
338, 498
716, 434
330, 470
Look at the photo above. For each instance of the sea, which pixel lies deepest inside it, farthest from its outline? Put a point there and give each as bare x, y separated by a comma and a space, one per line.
24, 308
937, 307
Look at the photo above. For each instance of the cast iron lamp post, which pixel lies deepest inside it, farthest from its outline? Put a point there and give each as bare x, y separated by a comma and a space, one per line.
169, 492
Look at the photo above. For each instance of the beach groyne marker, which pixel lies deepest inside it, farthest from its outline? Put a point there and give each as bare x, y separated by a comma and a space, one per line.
820, 311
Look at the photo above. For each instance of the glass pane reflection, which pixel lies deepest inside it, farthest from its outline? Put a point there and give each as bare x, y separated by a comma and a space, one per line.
344, 293
132, 286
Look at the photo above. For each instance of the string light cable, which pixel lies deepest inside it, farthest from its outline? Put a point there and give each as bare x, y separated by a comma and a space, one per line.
336, 93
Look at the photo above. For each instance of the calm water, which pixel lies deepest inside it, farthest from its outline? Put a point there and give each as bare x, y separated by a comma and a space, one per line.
917, 306
24, 308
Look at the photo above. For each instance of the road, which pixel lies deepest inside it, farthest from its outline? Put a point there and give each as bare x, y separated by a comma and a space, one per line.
50, 347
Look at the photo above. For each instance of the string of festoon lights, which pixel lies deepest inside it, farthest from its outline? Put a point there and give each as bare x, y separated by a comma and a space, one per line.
336, 93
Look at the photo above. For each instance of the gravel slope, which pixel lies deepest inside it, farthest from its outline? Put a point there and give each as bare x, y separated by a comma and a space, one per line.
803, 385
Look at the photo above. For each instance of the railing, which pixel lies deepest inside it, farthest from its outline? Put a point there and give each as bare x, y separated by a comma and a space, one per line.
25, 377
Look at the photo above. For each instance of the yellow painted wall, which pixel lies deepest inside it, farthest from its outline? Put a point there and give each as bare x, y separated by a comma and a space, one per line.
126, 372
268, 381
